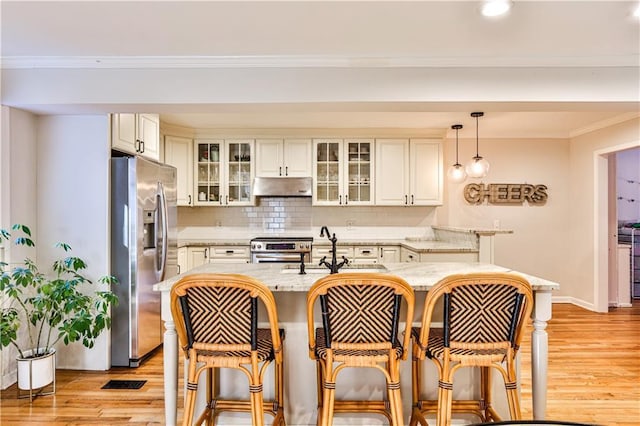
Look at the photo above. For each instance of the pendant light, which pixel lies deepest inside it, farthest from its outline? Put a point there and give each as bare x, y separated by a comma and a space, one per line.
456, 172
477, 167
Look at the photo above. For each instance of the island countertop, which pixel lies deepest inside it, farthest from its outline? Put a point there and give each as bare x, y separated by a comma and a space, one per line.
421, 276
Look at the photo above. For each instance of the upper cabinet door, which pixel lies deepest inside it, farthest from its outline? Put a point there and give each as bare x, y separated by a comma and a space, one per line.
392, 172
269, 157
327, 172
297, 157
426, 174
149, 135
123, 133
279, 158
136, 134
178, 152
359, 167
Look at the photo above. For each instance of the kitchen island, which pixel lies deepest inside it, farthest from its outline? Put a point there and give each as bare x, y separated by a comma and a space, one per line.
290, 292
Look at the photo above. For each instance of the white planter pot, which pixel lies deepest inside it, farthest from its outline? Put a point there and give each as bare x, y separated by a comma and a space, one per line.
35, 373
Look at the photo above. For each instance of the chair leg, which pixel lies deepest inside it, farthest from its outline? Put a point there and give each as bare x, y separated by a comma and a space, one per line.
328, 393
511, 386
393, 389
416, 414
319, 391
445, 395
192, 389
279, 392
485, 392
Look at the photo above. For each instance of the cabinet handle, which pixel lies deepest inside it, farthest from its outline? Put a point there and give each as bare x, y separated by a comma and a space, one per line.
346, 200
136, 145
189, 199
227, 200
366, 251
206, 251
286, 170
178, 269
340, 197
141, 146
412, 199
220, 200
405, 200
280, 171
229, 252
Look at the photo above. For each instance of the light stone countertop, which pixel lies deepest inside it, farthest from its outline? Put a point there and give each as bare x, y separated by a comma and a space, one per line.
421, 276
420, 246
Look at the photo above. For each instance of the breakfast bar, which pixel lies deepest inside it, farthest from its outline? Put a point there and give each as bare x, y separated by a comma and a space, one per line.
290, 289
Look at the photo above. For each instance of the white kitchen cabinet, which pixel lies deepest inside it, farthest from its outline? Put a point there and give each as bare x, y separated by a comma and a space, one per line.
408, 172
283, 157
367, 254
197, 256
407, 255
389, 254
318, 252
136, 134
178, 152
224, 172
343, 172
229, 254
183, 262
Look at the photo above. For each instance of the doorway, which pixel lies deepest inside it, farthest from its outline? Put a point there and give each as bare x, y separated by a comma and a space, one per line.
605, 222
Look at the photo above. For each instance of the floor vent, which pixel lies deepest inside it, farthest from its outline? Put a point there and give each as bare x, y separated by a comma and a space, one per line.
124, 384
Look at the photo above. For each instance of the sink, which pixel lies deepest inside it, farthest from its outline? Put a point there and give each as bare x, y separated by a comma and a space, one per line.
317, 269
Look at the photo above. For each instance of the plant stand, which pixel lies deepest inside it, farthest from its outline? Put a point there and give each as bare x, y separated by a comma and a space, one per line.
36, 376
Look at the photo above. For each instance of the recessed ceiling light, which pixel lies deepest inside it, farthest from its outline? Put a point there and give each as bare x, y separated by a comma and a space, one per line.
496, 7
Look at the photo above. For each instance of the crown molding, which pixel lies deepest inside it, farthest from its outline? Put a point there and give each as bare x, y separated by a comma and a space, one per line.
604, 124
309, 61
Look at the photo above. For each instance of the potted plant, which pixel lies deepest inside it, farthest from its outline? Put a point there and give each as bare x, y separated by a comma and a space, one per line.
42, 308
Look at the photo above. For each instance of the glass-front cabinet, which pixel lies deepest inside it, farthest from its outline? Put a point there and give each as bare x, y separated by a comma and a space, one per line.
224, 172
359, 165
343, 172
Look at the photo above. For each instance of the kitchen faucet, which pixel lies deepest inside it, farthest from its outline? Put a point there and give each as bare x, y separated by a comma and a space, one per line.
334, 266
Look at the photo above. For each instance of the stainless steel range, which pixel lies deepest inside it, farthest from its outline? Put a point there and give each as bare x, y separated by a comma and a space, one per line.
281, 249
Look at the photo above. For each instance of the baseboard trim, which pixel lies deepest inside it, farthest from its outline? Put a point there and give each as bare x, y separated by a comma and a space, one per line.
574, 301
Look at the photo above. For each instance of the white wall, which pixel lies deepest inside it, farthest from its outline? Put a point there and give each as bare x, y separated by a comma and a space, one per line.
17, 198
587, 278
539, 244
73, 206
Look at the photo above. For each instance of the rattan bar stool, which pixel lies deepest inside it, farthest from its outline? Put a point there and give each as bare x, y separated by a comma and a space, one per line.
360, 318
216, 319
483, 317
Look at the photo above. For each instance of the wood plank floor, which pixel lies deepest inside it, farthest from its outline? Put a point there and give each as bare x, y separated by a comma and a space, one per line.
594, 377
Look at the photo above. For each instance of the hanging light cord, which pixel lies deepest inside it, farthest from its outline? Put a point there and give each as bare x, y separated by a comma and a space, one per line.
477, 155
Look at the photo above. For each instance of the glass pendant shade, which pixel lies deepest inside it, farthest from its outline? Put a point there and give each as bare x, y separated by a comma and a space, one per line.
477, 167
456, 172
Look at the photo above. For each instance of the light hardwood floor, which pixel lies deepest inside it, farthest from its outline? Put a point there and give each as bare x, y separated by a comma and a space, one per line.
594, 377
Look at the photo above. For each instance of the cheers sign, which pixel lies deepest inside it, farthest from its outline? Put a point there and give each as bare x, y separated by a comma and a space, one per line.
505, 193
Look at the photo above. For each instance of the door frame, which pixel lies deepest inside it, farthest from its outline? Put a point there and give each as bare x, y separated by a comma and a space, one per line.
604, 192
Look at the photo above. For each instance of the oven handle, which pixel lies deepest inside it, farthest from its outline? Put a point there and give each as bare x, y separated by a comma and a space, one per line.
278, 258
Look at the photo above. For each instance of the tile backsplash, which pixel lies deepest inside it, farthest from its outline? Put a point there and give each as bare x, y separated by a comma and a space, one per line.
283, 213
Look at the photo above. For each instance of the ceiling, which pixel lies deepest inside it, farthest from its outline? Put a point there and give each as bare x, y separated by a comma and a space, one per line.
535, 35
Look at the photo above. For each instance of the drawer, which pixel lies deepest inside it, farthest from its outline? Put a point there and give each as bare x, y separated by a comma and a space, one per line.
223, 252
320, 252
366, 252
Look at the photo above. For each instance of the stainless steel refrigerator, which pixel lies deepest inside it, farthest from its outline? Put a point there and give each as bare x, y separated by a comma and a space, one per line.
143, 252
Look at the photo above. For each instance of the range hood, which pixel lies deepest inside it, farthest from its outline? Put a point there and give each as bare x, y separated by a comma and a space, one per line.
282, 186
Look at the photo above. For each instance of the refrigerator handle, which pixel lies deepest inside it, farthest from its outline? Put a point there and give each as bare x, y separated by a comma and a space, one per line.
162, 222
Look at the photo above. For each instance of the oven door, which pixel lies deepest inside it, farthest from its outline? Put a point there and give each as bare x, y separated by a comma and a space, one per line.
279, 257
